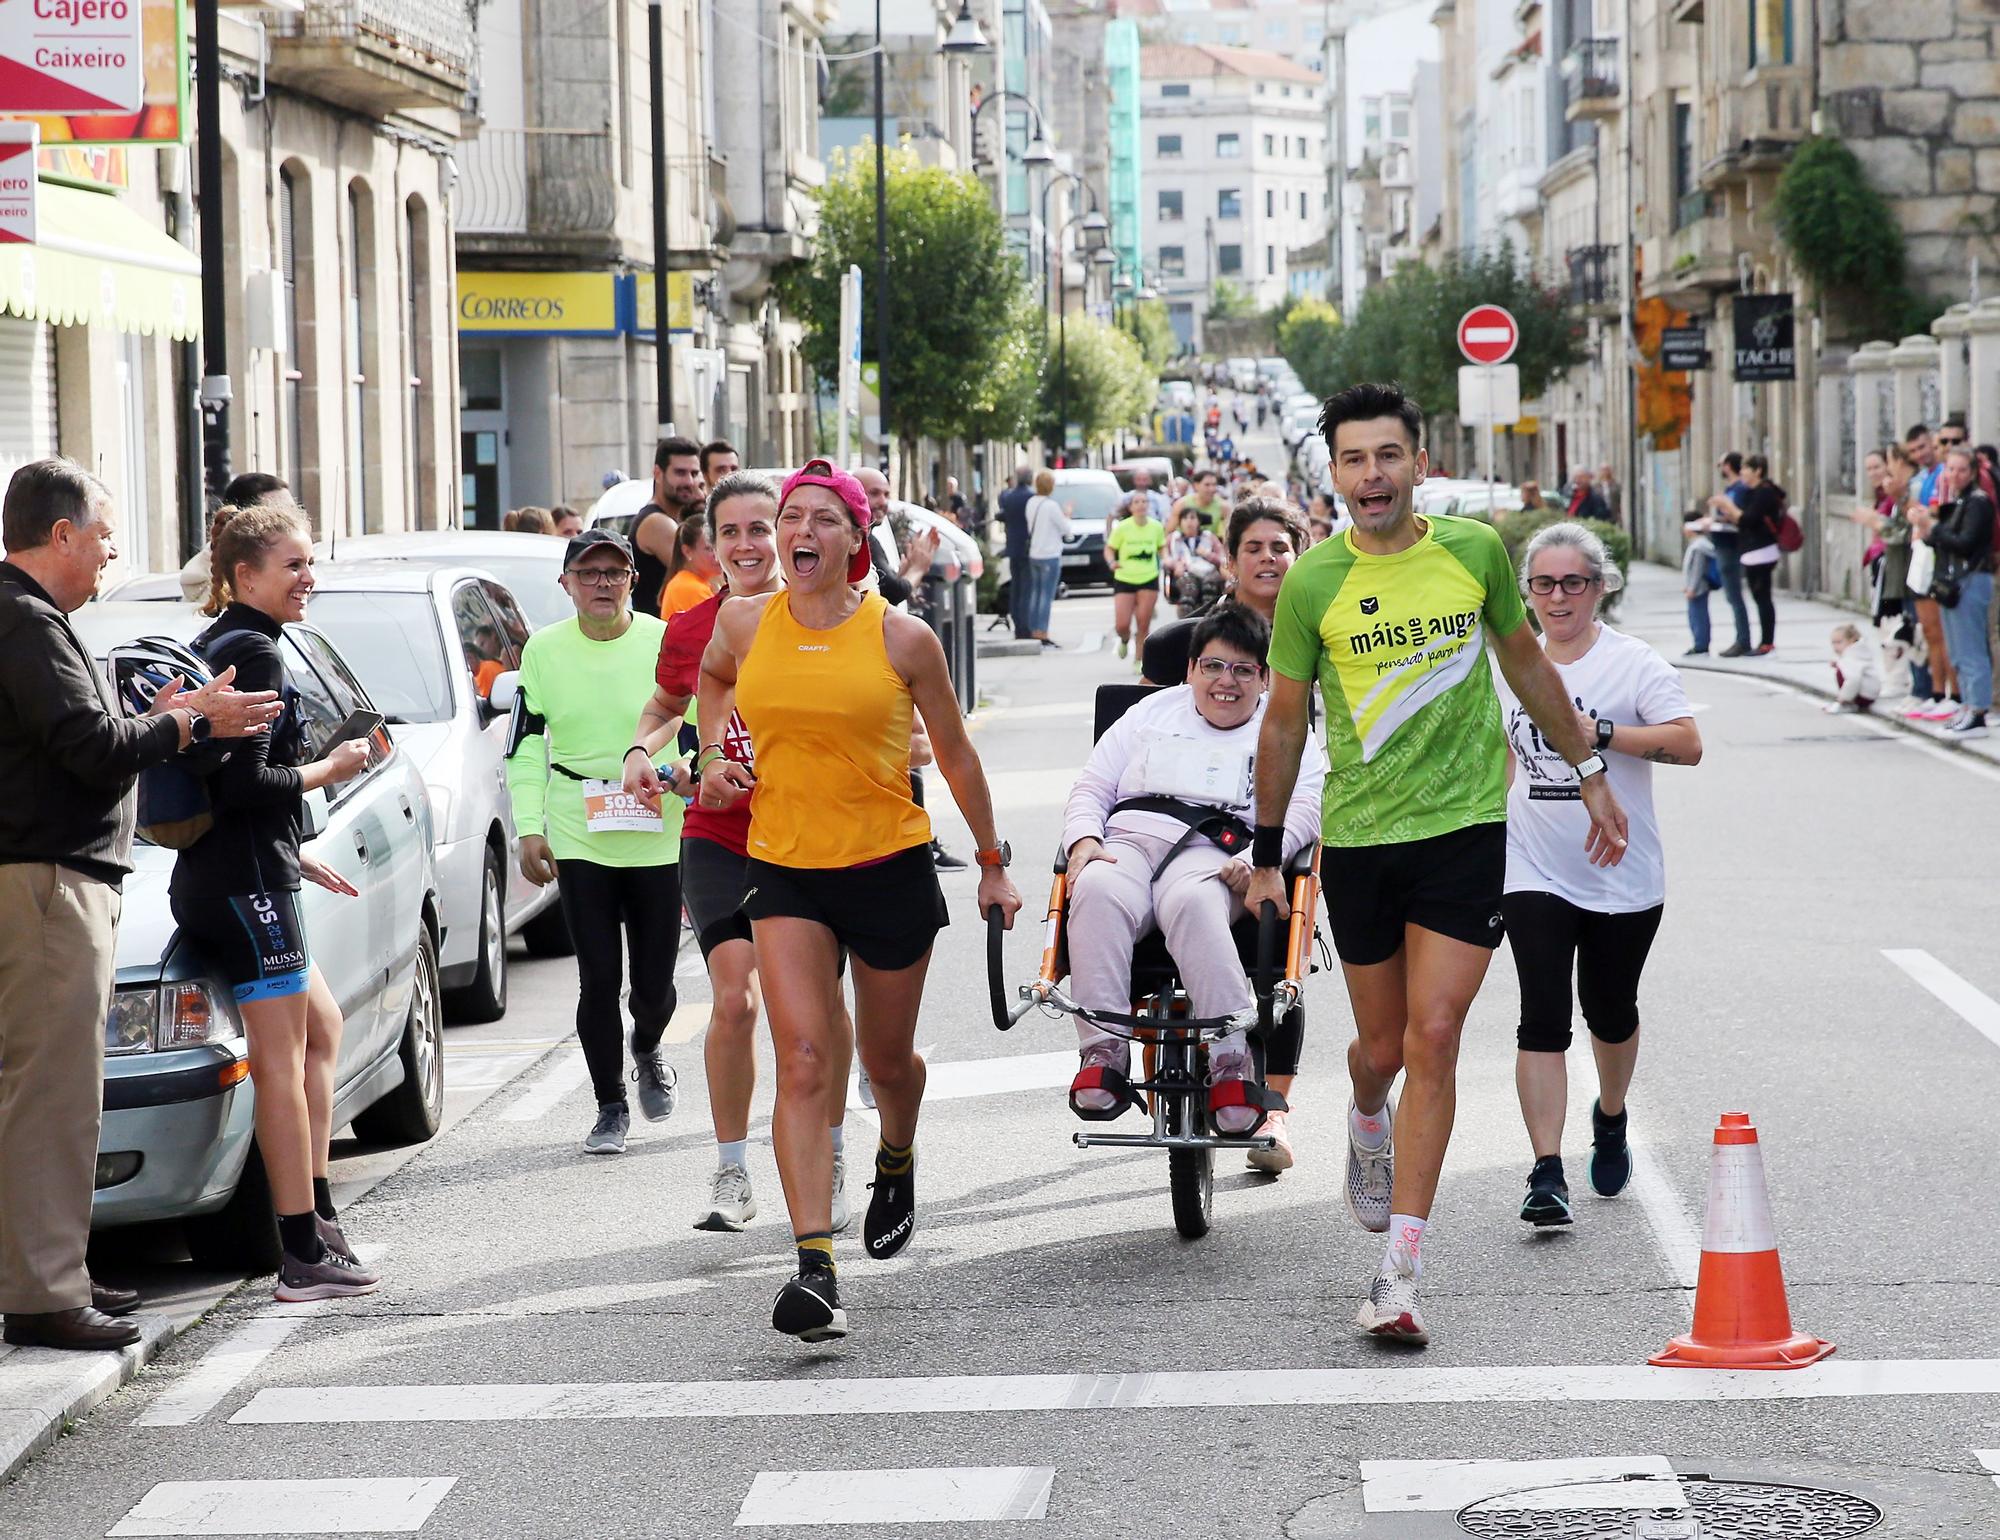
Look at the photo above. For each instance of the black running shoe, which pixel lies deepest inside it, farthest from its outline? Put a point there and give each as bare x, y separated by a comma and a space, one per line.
1610, 1155
808, 1307
892, 1213
1547, 1202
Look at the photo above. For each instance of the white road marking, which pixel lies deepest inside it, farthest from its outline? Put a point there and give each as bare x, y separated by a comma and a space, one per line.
1395, 1385
556, 1082
1976, 1008
689, 1021
1092, 641
1674, 1234
1539, 1486
1017, 790
383, 1505
221, 1369
996, 1077
1990, 1458
692, 963
1080, 710
1962, 759
952, 1494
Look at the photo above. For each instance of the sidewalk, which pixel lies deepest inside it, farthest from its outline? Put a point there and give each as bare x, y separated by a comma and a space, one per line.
1654, 610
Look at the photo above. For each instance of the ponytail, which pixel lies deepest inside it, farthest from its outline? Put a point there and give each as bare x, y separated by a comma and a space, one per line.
239, 535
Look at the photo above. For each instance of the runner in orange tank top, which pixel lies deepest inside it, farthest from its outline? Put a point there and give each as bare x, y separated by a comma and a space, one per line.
826, 679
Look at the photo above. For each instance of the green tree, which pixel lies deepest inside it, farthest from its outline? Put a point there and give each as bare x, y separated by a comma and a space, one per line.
1009, 412
1100, 378
955, 293
1230, 301
1146, 322
1406, 327
1306, 337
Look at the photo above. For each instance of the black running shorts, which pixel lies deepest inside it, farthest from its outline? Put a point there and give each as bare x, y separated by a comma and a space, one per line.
1549, 936
887, 914
257, 941
1449, 883
714, 879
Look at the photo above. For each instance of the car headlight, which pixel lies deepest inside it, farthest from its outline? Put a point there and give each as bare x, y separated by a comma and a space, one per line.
129, 1027
182, 1015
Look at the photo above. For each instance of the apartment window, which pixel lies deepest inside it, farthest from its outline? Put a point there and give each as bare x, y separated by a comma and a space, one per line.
1305, 206
1173, 261
1175, 88
294, 226
1270, 203
1228, 146
1229, 203
1275, 31
1683, 149
416, 339
1170, 203
1270, 261
1399, 122
1229, 260
1302, 146
1770, 32
1270, 144
1167, 144
359, 296
1232, 36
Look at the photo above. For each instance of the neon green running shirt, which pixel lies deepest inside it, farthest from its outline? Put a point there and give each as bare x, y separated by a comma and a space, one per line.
1398, 646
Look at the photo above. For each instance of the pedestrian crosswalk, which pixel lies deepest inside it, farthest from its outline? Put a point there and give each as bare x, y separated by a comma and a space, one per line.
373, 1505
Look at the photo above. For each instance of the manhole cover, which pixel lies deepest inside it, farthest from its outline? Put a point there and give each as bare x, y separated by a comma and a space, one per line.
1726, 1510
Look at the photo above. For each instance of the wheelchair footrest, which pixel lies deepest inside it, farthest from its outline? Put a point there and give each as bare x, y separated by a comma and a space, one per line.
1101, 1077
1084, 1141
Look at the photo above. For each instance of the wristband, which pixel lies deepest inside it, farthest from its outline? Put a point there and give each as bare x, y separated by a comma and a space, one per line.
1267, 845
638, 748
707, 757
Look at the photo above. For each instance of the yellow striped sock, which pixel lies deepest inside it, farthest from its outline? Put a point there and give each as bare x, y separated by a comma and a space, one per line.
815, 1250
891, 1161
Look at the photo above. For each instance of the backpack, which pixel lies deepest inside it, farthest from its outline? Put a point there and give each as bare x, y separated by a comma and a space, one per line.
1791, 536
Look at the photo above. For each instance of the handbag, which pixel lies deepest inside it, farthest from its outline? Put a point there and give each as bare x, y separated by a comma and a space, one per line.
1923, 568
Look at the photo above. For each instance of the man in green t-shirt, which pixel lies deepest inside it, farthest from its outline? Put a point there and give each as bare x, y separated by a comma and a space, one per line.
1393, 619
1206, 500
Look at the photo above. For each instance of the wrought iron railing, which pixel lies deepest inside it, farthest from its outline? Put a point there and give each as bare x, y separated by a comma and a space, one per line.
1592, 277
538, 181
1590, 72
428, 34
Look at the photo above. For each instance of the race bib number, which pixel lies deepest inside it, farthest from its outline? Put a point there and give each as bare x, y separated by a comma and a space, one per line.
608, 808
1220, 775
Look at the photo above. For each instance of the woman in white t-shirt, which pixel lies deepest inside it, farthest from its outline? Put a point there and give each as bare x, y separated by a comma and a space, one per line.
1048, 527
1561, 911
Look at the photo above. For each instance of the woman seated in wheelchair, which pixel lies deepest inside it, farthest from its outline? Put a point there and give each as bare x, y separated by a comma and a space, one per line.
1158, 834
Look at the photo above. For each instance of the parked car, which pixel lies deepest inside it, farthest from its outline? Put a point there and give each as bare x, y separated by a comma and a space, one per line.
177, 1140
427, 643
1089, 497
617, 507
530, 566
1241, 372
1159, 467
1178, 395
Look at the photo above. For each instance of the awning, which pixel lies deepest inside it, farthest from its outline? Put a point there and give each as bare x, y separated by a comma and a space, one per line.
98, 262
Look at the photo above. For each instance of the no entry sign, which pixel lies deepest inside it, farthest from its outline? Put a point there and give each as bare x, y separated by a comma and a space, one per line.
1487, 335
71, 57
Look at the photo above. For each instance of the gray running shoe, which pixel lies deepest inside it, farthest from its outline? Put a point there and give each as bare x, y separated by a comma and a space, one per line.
334, 1239
607, 1134
1390, 1310
1371, 1174
658, 1085
840, 1214
731, 1204
331, 1277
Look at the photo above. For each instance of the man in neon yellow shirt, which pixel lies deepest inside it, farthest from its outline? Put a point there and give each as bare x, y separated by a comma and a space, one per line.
618, 859
1393, 618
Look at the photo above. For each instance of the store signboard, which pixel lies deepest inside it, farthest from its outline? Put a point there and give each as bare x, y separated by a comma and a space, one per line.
1684, 348
71, 56
1764, 337
17, 182
537, 304
680, 303
156, 113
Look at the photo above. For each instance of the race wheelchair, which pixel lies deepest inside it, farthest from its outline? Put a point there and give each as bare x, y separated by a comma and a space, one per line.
1173, 1088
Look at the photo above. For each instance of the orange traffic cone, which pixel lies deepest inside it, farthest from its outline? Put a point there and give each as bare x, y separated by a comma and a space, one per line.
1741, 1320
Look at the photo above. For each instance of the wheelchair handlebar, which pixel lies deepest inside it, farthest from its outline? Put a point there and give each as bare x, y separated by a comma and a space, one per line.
1270, 933
996, 984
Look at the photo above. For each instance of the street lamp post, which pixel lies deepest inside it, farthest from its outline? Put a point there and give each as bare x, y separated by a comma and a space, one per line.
881, 253
215, 392
663, 360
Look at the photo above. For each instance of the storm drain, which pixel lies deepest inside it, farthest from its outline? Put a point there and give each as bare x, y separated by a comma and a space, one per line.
1720, 1510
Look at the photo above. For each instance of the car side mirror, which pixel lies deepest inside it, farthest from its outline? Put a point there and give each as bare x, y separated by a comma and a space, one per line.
313, 813
503, 692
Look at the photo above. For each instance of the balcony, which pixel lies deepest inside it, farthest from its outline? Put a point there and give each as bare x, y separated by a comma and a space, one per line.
1756, 126
377, 55
549, 182
1688, 267
1593, 277
1590, 78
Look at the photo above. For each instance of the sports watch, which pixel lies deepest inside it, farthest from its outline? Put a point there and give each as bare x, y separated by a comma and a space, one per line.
1001, 856
1589, 767
1605, 728
200, 729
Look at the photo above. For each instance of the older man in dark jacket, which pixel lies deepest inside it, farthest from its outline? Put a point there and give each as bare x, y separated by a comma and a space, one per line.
68, 760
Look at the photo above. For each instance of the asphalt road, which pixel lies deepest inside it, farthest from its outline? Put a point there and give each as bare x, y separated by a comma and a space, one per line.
556, 1353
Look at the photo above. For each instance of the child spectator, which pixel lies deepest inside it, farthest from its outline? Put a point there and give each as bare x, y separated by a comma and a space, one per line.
1856, 671
1697, 578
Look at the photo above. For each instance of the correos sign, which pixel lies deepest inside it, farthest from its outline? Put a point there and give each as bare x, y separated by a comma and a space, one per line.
571, 303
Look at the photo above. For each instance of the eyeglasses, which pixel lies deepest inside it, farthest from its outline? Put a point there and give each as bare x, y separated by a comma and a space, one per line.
1571, 583
602, 577
1215, 668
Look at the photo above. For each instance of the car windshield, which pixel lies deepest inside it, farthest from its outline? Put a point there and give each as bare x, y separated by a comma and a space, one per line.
391, 643
1088, 499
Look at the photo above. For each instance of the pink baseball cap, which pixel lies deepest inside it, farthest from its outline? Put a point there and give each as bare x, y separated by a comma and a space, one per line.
824, 473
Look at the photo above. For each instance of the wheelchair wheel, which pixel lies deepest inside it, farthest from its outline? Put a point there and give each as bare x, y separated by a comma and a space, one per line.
1191, 1176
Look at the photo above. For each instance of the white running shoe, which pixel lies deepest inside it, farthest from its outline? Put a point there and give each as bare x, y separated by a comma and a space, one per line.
862, 1086
1279, 1156
1390, 1310
731, 1204
840, 1214
1371, 1173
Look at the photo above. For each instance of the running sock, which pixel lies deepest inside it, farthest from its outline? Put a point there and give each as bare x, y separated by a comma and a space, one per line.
300, 1236
839, 1135
815, 1252
323, 1199
1405, 1253
733, 1152
1547, 1165
1370, 1129
891, 1161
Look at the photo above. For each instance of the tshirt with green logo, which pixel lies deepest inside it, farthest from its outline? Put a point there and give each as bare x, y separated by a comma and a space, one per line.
1137, 547
1398, 646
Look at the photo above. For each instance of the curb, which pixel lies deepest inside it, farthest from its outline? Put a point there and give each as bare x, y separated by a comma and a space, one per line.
1010, 648
1769, 676
60, 1389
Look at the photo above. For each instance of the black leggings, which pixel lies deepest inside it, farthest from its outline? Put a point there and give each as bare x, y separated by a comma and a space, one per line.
1759, 579
597, 902
1550, 935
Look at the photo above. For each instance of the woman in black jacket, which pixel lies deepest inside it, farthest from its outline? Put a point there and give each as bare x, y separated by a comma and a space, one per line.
1757, 522
236, 891
1962, 536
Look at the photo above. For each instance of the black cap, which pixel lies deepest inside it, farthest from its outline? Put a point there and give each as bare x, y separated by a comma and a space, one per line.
583, 544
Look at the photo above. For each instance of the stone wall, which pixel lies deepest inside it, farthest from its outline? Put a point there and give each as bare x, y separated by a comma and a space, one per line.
1913, 88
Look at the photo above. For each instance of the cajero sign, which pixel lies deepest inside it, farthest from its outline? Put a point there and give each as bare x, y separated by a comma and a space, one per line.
1764, 333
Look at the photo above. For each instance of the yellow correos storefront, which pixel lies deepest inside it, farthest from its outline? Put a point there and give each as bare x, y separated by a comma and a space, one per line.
538, 304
